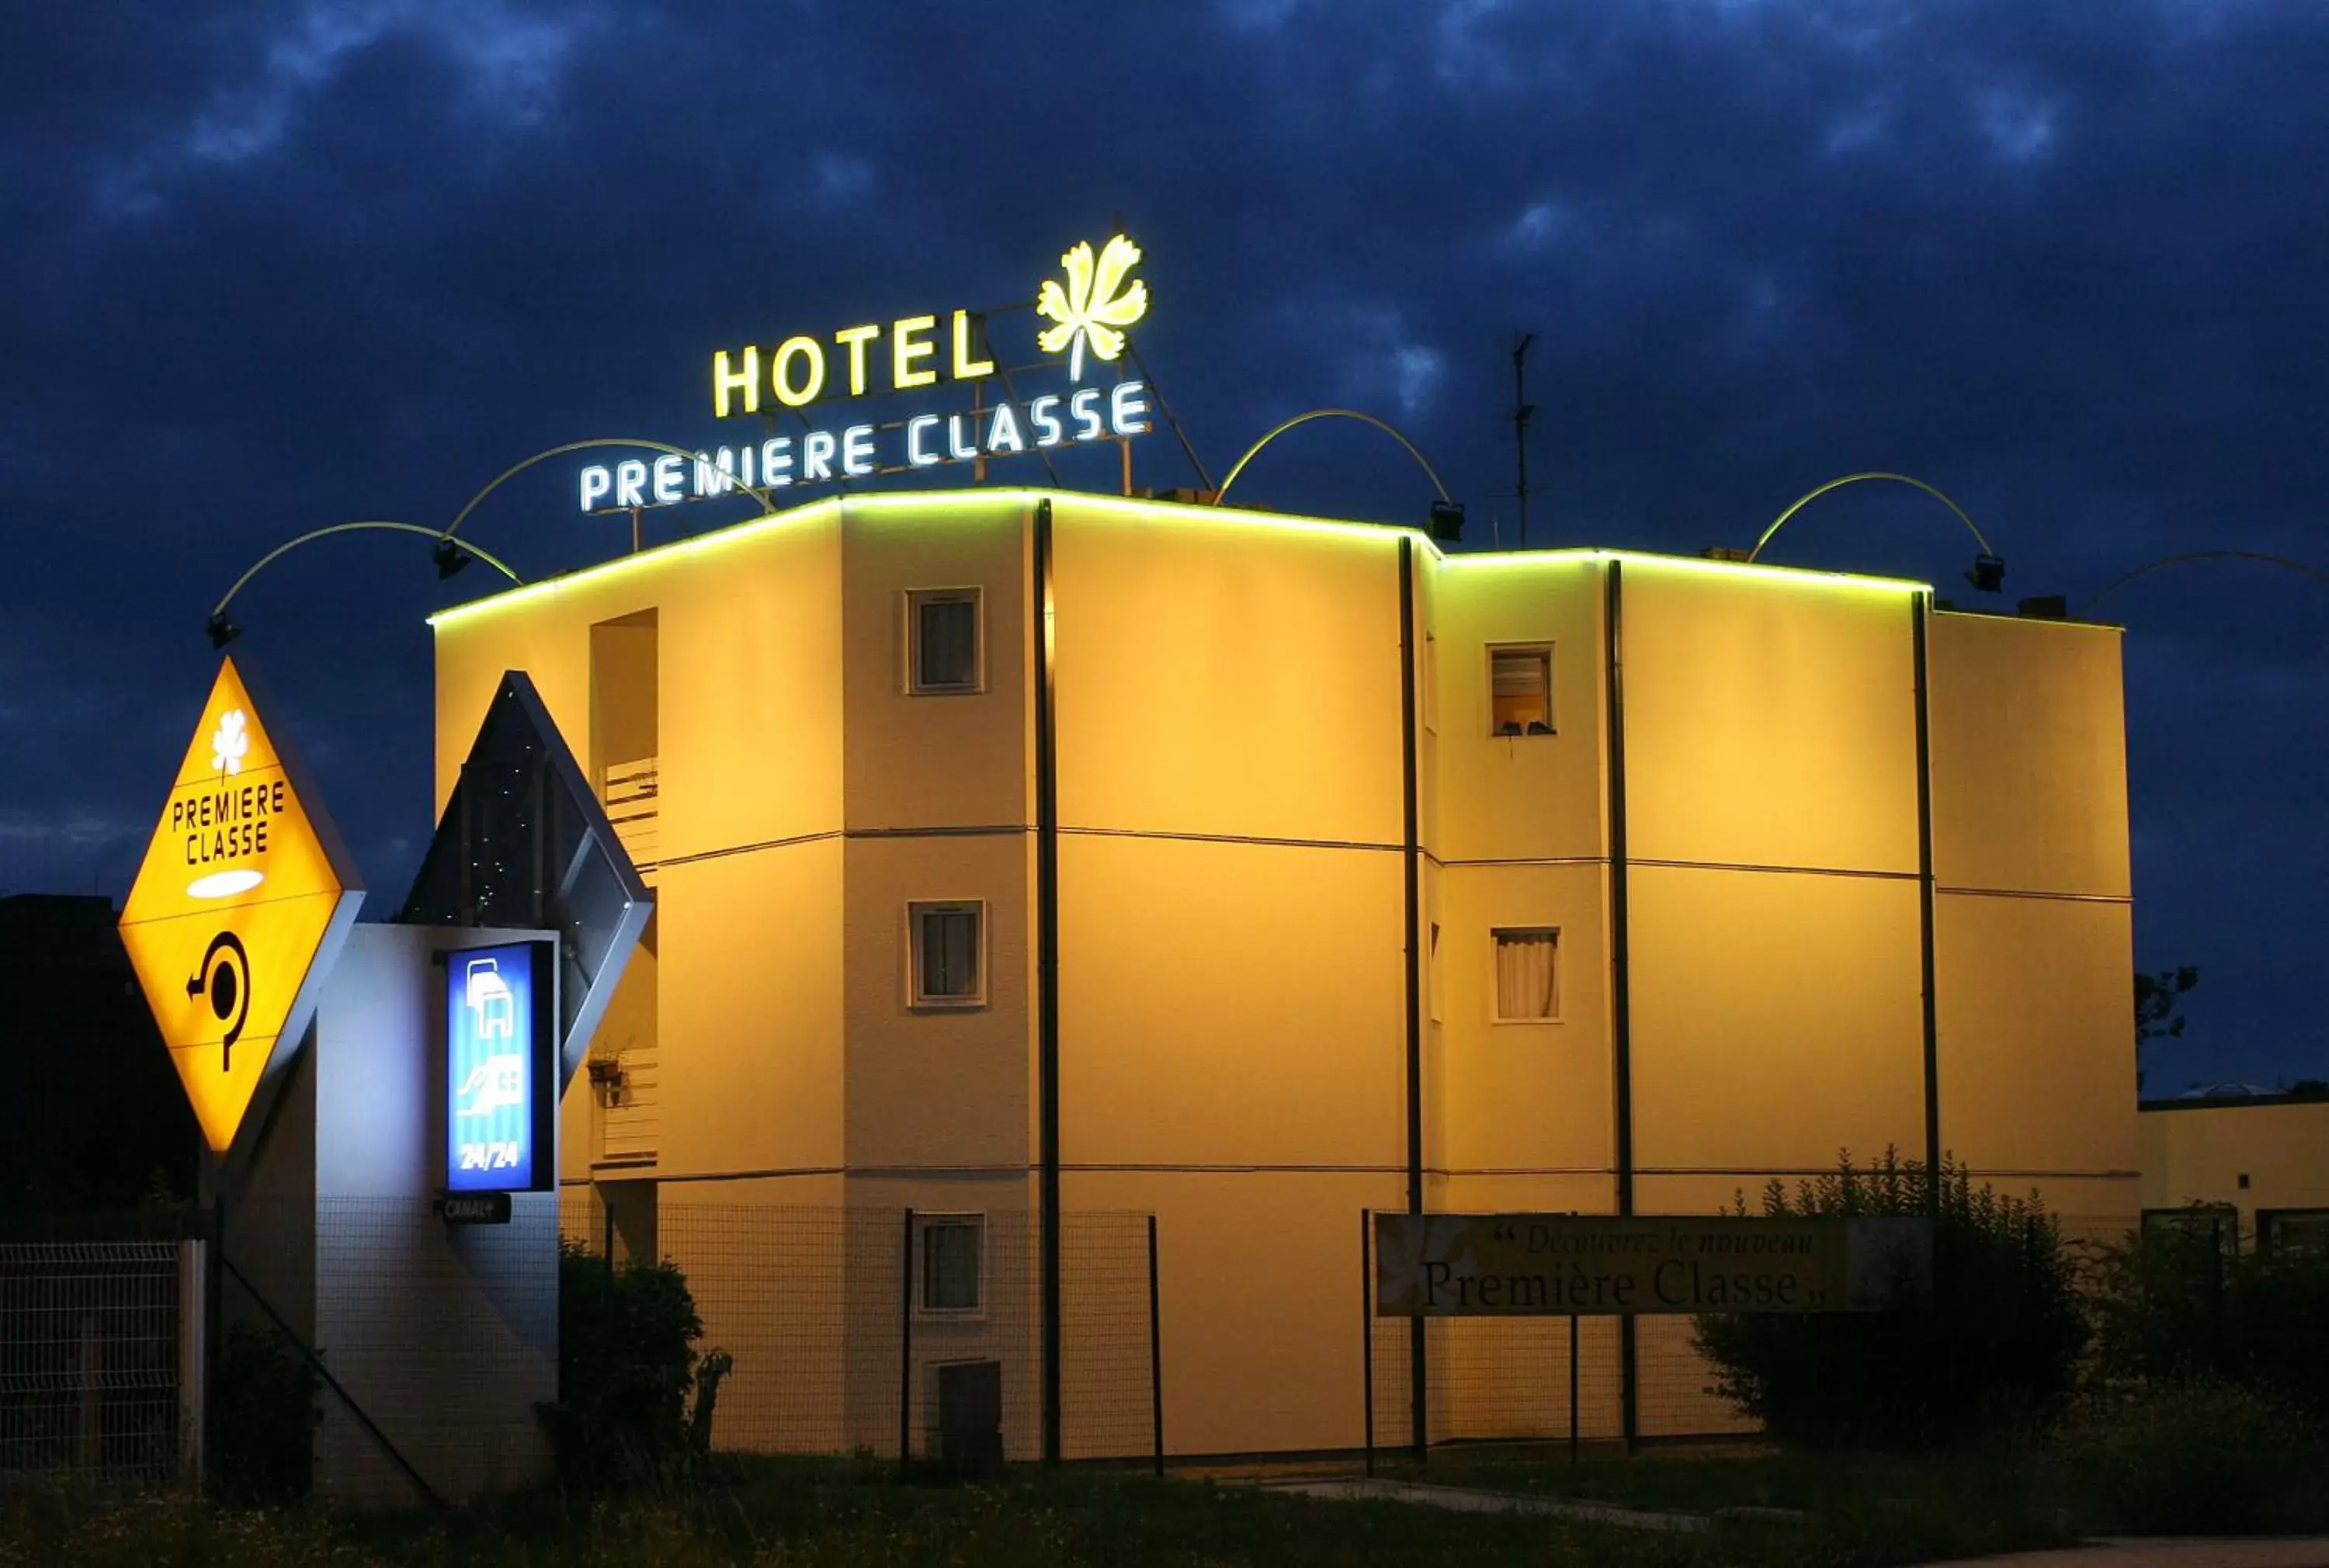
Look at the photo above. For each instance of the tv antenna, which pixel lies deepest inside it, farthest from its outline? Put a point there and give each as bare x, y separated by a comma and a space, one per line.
1523, 411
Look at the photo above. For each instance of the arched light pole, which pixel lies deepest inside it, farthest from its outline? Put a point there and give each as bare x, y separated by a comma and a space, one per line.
1988, 570
450, 555
1447, 514
756, 492
2085, 611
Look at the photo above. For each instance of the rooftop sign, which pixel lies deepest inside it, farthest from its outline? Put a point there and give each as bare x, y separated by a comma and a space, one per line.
236, 910
1089, 309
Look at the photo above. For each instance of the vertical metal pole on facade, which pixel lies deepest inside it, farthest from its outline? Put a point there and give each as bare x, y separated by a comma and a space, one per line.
1156, 1358
1367, 1330
193, 1344
1419, 1377
905, 1344
1572, 1391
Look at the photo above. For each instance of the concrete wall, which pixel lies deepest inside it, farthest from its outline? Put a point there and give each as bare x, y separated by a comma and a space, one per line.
446, 1337
2255, 1156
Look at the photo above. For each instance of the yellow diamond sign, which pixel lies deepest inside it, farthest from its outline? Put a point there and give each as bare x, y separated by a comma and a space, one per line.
238, 910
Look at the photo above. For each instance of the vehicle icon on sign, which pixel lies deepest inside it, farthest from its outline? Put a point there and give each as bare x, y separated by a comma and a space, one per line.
493, 1010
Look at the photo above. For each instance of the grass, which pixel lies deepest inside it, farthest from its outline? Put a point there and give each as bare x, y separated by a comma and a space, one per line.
833, 1516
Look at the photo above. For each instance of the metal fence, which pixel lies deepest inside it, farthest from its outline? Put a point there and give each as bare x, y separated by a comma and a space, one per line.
100, 1359
1492, 1379
847, 1324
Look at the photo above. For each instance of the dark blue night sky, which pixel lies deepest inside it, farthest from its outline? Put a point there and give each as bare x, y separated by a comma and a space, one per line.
272, 267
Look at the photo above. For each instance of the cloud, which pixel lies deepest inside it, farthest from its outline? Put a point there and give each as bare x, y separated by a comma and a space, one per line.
273, 265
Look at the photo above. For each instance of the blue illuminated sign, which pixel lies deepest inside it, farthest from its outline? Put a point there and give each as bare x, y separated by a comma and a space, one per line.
499, 1042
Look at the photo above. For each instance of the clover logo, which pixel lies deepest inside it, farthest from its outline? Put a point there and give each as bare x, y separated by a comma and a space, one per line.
1095, 304
230, 741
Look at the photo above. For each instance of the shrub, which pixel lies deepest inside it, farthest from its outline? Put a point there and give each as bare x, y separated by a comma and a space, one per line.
1994, 1348
2185, 1456
634, 1400
2184, 1302
263, 1416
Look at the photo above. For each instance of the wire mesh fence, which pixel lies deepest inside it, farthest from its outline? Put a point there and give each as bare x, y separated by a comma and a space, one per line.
1509, 1379
858, 1328
91, 1357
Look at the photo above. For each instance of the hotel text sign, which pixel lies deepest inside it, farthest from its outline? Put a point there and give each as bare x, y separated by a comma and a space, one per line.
1430, 1265
1089, 312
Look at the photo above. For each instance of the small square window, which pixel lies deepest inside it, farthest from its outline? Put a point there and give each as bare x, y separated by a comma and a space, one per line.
942, 641
951, 1259
949, 967
1528, 975
1520, 691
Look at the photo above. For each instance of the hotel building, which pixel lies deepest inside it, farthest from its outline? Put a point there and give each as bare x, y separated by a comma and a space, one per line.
1022, 853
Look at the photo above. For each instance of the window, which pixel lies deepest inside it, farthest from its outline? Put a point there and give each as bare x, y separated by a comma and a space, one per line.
1520, 691
942, 641
948, 967
951, 1245
2217, 1224
1528, 975
2287, 1232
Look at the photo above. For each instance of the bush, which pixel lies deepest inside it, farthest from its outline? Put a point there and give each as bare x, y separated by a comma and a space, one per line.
1994, 1348
2188, 1457
2184, 1303
634, 1400
263, 1419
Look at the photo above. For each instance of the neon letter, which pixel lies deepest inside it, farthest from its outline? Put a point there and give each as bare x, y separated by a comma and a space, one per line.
630, 479
745, 381
857, 451
1127, 408
808, 348
816, 455
1003, 431
919, 426
596, 482
1048, 432
853, 339
668, 475
956, 443
777, 460
715, 478
908, 342
1085, 407
965, 368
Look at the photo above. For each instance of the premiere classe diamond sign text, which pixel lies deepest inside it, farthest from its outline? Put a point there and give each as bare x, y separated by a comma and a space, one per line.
241, 898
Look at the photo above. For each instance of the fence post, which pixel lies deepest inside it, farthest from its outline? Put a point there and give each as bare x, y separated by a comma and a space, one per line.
1572, 1391
1156, 1357
906, 1344
193, 1344
88, 1452
1367, 1330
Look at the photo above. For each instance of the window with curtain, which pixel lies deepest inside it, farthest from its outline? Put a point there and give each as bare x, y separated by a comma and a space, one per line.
945, 634
1520, 694
946, 957
1528, 974
951, 1249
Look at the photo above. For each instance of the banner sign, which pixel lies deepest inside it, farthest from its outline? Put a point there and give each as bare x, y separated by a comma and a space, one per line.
1440, 1265
501, 1046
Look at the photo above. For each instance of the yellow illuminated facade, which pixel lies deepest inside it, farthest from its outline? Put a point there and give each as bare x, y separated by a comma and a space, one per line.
1014, 847
241, 890
2265, 1158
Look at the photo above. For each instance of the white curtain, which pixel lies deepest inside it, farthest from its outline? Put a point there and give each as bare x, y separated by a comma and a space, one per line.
1527, 975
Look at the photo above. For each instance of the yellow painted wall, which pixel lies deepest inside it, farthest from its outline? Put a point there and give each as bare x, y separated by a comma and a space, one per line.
1217, 676
2029, 755
1525, 797
1770, 719
2199, 1155
2033, 920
